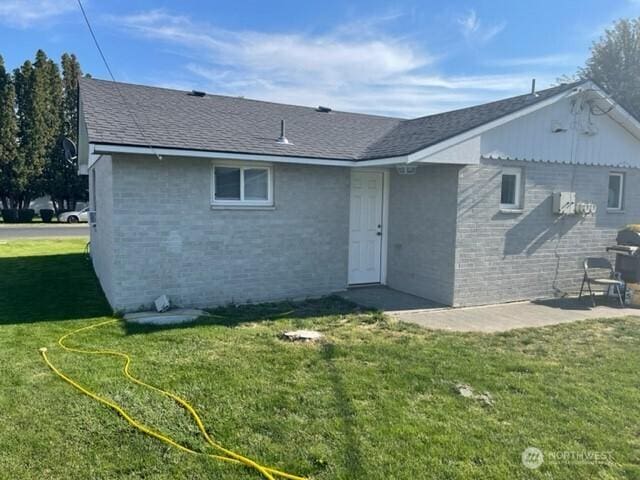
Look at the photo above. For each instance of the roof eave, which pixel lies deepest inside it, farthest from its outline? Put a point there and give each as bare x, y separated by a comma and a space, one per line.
99, 148
425, 152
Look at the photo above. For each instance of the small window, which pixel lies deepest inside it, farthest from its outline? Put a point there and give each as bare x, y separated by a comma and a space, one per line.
616, 191
241, 185
511, 189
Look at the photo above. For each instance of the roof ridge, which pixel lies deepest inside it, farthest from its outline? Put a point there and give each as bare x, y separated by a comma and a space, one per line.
239, 97
560, 88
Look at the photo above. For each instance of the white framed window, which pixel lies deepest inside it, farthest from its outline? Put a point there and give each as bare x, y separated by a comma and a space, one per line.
241, 184
511, 189
616, 191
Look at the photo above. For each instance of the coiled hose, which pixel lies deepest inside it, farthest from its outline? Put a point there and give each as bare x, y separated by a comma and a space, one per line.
228, 455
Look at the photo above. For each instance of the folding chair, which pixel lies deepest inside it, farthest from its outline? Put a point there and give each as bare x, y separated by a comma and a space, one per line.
594, 271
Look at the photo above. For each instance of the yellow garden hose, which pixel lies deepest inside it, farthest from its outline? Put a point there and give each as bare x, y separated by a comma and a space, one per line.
229, 455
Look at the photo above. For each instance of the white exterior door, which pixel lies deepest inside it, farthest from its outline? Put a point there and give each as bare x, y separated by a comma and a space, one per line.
365, 227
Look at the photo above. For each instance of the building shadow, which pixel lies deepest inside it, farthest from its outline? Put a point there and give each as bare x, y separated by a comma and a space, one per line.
237, 316
48, 288
569, 303
535, 229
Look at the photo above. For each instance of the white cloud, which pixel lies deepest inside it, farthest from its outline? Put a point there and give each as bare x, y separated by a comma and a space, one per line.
551, 60
355, 67
334, 57
26, 13
474, 29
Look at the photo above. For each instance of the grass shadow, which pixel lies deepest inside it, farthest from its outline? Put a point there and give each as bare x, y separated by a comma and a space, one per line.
235, 316
49, 288
352, 457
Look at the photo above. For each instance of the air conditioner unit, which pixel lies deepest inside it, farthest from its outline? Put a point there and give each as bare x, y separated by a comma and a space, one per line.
564, 203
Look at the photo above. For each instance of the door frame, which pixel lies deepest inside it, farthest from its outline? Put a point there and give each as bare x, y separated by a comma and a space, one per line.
385, 221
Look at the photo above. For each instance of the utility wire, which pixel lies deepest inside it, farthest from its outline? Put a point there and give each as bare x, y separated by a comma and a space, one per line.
115, 82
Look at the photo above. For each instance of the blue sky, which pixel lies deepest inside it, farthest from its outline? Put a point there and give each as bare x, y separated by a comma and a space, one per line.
404, 58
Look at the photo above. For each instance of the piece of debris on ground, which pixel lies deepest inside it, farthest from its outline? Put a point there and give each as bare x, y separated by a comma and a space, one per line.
302, 336
467, 392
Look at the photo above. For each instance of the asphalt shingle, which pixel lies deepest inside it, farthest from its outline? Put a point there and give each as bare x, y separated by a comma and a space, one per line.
126, 114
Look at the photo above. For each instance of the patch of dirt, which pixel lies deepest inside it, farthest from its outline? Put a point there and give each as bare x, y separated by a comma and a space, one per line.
467, 391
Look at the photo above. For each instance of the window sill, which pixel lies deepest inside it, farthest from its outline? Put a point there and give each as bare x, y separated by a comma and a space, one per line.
242, 207
511, 210
614, 210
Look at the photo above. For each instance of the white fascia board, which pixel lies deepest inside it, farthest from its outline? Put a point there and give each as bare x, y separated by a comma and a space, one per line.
171, 152
421, 155
93, 156
624, 118
97, 149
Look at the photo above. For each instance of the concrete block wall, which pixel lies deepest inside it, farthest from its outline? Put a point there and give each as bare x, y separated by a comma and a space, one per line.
167, 239
512, 256
422, 232
101, 235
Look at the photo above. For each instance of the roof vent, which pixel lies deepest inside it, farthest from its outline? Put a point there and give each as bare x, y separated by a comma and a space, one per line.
323, 109
197, 93
533, 88
283, 138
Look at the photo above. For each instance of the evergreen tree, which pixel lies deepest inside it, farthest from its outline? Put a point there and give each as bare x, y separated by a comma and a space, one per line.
615, 64
22, 78
8, 137
39, 92
63, 183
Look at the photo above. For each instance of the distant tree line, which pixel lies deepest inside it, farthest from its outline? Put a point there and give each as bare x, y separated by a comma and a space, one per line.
38, 108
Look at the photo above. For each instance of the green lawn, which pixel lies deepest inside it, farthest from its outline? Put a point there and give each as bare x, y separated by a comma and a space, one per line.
377, 400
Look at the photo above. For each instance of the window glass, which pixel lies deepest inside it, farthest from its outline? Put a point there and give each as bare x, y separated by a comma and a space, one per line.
256, 184
508, 195
227, 186
615, 192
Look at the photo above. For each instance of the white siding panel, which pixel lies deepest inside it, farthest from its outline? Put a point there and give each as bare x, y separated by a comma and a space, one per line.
531, 138
464, 153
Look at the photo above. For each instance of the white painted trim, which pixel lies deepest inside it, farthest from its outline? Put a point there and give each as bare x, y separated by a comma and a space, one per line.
242, 167
386, 188
93, 156
620, 207
170, 152
630, 122
517, 171
99, 148
438, 147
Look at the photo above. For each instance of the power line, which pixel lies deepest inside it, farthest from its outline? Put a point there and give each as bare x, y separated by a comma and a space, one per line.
113, 79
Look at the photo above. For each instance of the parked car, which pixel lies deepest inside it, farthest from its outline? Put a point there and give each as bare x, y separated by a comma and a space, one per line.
75, 217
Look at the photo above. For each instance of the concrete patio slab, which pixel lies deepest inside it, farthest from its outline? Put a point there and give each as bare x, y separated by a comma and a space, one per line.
387, 299
170, 317
509, 316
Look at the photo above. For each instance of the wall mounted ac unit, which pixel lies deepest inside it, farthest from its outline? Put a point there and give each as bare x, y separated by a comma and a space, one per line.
564, 203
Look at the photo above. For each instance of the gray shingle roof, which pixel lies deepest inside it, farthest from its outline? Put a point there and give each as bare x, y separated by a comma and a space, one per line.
167, 118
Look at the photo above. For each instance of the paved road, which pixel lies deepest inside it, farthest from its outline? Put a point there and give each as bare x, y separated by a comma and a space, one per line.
43, 231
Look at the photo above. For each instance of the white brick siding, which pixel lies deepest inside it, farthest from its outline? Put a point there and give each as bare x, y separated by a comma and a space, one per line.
102, 246
502, 256
168, 240
422, 232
